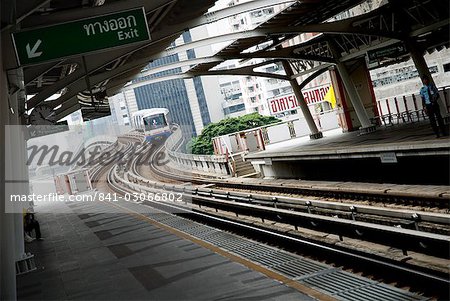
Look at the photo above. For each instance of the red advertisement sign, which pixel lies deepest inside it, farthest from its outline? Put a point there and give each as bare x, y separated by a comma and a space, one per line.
289, 101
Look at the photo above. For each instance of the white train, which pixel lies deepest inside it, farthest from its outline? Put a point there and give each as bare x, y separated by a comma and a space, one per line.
154, 123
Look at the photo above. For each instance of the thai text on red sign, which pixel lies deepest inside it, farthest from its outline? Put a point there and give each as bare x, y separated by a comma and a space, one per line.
289, 101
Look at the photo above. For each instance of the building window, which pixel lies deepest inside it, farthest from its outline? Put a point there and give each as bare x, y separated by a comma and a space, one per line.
190, 54
446, 67
400, 74
233, 109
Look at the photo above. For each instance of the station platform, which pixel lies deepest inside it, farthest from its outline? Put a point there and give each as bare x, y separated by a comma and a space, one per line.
98, 251
409, 147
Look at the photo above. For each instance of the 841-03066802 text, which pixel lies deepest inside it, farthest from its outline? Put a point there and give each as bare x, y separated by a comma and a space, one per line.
141, 197
99, 196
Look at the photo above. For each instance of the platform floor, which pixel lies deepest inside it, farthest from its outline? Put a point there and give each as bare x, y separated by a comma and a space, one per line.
111, 254
417, 136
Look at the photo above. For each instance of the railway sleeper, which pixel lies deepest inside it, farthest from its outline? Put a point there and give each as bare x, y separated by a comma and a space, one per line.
404, 239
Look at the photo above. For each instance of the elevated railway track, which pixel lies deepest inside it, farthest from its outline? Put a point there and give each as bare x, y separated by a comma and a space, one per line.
410, 231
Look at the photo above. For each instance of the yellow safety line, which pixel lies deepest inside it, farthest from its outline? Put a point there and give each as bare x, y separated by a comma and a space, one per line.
274, 275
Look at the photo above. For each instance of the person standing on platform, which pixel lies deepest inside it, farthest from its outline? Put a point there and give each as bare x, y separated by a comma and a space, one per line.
430, 96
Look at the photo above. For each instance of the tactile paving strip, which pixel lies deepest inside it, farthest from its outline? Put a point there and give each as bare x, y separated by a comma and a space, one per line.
274, 259
253, 251
299, 267
377, 292
332, 281
336, 281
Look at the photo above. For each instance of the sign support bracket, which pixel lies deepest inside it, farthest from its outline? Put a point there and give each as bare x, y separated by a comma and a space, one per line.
88, 82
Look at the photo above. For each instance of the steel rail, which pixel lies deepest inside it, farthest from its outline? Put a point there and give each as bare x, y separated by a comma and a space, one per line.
424, 277
347, 193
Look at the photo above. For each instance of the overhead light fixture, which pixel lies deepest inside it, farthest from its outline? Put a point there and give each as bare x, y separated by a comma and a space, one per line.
424, 34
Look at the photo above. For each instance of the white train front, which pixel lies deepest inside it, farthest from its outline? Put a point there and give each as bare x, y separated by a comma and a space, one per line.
154, 123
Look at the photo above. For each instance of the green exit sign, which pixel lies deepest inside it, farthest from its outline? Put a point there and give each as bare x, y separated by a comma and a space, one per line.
81, 36
388, 52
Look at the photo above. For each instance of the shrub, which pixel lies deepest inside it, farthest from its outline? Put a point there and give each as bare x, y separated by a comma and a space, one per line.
202, 144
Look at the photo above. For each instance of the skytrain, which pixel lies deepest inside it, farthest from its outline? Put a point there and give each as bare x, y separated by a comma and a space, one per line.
154, 123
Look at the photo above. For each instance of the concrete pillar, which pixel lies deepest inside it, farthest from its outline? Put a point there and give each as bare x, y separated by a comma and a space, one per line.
7, 224
419, 61
421, 65
16, 170
223, 168
354, 97
314, 131
204, 165
361, 113
19, 246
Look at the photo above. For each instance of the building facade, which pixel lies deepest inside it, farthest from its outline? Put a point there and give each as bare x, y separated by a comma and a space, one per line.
196, 102
119, 110
186, 99
403, 78
241, 94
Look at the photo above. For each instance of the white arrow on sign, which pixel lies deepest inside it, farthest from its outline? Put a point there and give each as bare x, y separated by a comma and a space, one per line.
32, 52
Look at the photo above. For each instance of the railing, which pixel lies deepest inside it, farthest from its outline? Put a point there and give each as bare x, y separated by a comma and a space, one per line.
205, 163
408, 108
402, 109
256, 139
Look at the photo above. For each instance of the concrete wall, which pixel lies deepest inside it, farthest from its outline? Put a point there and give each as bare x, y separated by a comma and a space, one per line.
189, 162
275, 133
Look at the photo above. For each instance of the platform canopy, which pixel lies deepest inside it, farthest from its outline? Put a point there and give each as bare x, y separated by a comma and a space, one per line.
85, 80
81, 79
384, 35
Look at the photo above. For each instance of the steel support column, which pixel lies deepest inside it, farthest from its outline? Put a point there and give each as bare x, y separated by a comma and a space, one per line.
315, 133
416, 53
419, 61
366, 125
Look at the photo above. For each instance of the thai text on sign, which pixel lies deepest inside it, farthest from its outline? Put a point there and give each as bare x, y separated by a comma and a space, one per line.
82, 36
289, 101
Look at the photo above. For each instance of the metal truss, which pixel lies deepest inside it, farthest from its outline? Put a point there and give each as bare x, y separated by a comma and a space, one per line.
128, 67
353, 36
396, 21
243, 71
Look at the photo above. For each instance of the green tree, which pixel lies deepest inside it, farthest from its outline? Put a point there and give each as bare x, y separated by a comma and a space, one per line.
202, 144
